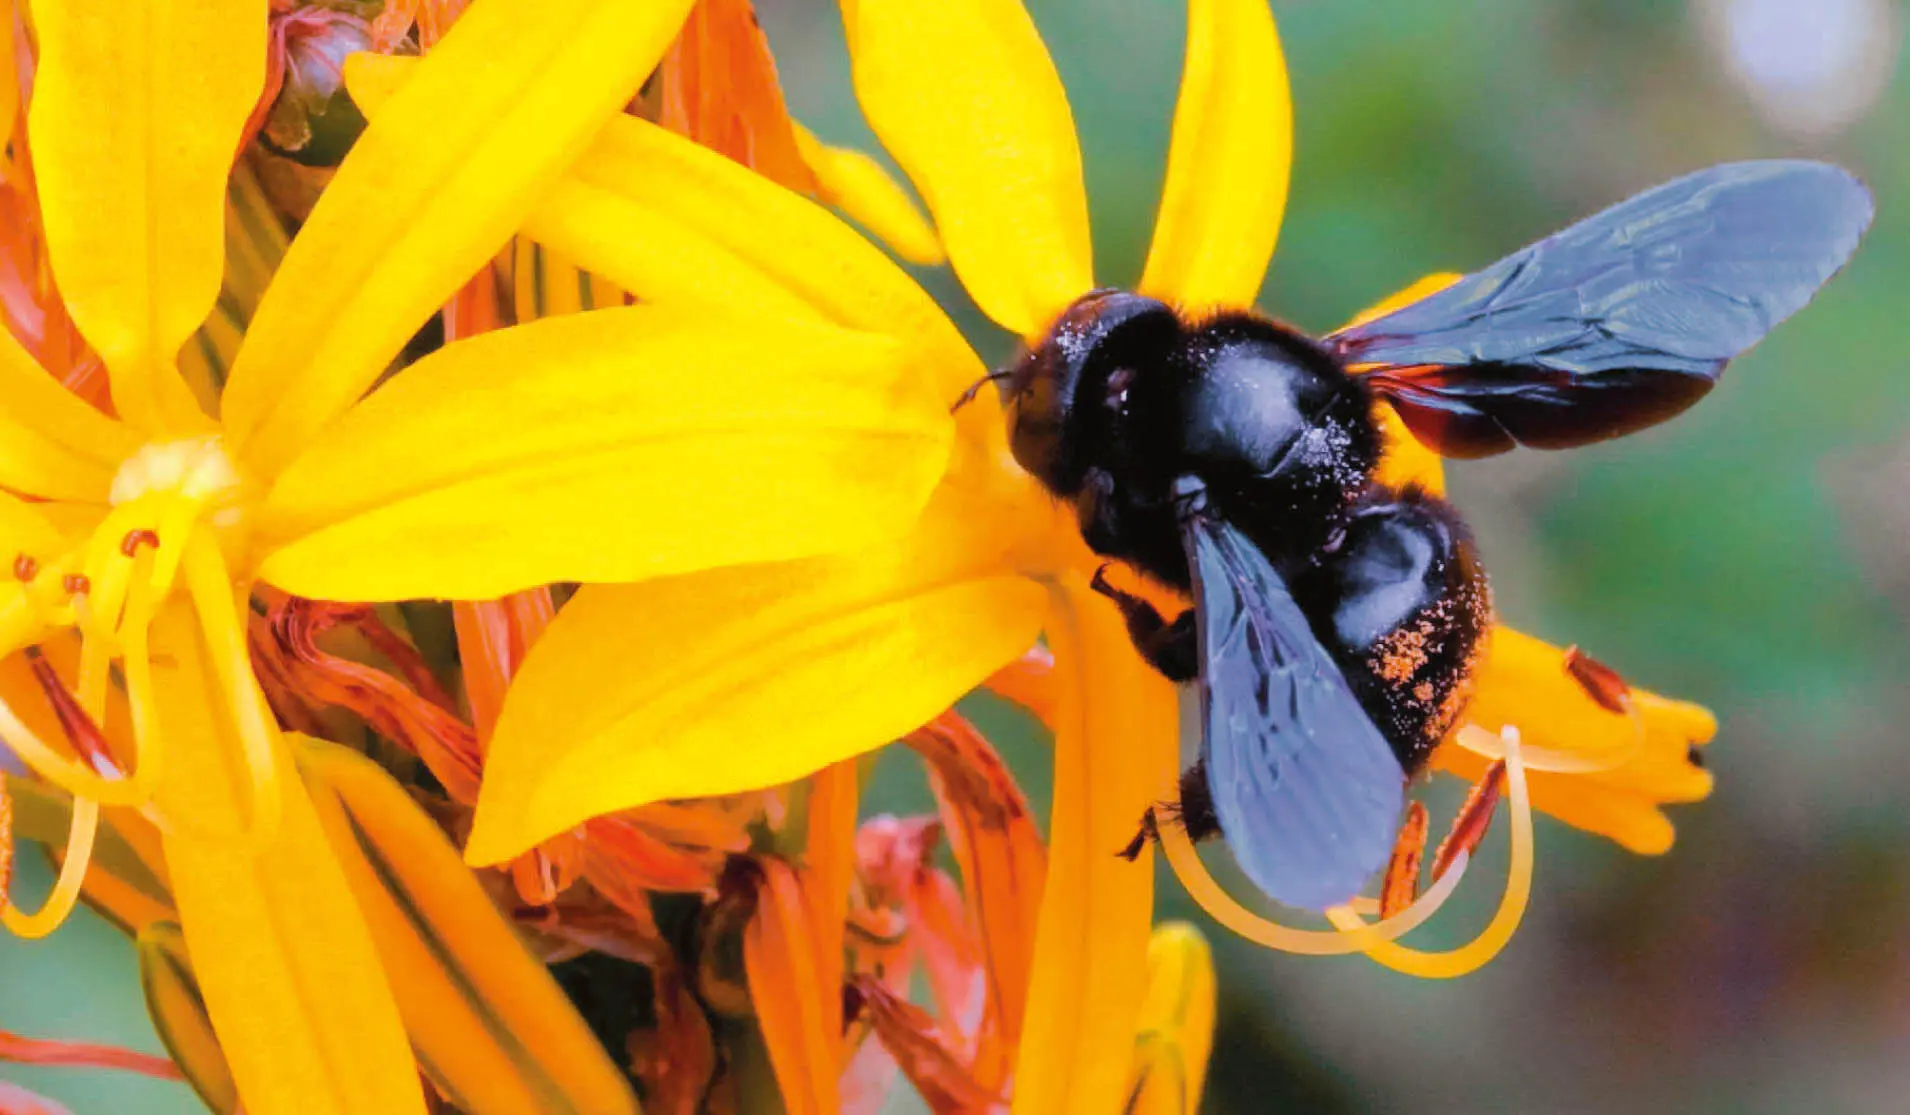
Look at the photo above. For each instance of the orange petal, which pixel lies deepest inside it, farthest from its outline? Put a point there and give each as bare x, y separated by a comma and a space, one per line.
829, 854
396, 710
787, 989
992, 833
621, 853
908, 1033
493, 637
717, 85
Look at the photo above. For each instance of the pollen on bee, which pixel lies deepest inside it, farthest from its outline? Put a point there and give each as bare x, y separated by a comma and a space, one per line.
134, 539
25, 568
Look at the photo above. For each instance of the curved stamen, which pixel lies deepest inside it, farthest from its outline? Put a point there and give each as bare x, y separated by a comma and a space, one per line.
66, 889
148, 743
1551, 760
211, 588
175, 521
107, 573
1223, 908
1518, 892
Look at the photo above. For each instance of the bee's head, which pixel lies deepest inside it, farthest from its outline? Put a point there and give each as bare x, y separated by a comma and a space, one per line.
1065, 387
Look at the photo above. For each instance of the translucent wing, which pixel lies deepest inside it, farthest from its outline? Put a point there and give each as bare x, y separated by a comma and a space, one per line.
1306, 789
1621, 320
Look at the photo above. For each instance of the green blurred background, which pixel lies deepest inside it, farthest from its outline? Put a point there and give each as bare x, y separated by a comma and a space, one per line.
1750, 555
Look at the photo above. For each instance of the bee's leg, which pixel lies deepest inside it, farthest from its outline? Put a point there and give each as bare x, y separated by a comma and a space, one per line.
1168, 647
1194, 812
1401, 883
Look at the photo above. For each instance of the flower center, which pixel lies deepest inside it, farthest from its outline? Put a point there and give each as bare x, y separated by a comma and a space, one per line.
196, 469
161, 498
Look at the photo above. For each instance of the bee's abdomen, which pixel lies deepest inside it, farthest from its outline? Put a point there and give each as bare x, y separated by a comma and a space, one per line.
1402, 603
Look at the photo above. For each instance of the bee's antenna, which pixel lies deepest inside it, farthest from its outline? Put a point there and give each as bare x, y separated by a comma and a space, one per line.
975, 388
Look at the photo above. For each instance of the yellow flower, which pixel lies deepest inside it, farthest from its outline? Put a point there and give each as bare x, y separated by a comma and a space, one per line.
753, 674
574, 448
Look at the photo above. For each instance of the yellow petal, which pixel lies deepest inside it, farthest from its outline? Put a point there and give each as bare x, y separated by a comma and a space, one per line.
255, 242
790, 240
856, 184
654, 256
441, 177
52, 444
1116, 742
965, 97
674, 222
1609, 771
136, 114
609, 446
1403, 460
1177, 1024
25, 529
1423, 287
491, 1027
1226, 186
743, 678
291, 981
29, 540
179, 1016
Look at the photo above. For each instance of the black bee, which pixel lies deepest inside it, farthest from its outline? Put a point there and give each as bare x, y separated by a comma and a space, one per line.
1336, 623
